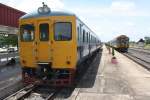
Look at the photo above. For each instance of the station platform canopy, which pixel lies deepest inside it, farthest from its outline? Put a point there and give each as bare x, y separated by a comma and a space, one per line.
9, 18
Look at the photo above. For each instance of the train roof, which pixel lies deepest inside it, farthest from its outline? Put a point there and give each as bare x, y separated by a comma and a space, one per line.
88, 28
53, 13
122, 36
119, 37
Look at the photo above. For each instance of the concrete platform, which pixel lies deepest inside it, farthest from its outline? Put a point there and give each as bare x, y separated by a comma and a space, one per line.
125, 80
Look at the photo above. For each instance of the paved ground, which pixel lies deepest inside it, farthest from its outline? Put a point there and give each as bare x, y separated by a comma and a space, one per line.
10, 80
106, 81
9, 71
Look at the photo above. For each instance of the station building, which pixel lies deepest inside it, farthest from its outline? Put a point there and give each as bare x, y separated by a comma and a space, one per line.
9, 19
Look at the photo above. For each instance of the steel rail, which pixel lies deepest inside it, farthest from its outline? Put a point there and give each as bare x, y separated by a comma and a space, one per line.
19, 95
138, 60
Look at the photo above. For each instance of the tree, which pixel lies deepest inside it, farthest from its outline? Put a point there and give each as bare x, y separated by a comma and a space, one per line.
147, 40
11, 40
2, 40
8, 40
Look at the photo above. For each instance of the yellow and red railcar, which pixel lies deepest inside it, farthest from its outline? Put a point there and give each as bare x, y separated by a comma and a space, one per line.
120, 43
52, 44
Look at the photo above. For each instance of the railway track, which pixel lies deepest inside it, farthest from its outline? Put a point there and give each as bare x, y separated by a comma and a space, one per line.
32, 92
146, 51
139, 60
140, 49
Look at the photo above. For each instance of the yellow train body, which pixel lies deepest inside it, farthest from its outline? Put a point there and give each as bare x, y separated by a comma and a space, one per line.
59, 53
52, 44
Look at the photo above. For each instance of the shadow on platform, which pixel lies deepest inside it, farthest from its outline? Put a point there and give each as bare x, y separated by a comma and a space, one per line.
89, 77
86, 77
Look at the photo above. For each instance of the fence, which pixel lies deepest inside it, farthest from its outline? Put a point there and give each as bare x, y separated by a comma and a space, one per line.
5, 57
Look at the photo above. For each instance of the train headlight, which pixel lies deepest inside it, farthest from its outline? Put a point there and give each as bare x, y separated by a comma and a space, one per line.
46, 10
43, 10
24, 62
68, 62
40, 10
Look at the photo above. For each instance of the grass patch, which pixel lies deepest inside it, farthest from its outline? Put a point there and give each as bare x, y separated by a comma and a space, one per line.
147, 46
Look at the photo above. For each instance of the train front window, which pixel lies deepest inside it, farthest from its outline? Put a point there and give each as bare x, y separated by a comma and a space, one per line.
44, 32
27, 32
63, 31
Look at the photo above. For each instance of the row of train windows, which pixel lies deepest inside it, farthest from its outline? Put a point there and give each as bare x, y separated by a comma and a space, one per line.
85, 37
62, 31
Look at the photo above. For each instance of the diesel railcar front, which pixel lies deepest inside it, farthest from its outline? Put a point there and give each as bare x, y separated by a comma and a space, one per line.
120, 43
52, 44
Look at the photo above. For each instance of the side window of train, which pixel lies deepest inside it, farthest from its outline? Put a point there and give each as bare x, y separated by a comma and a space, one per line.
91, 39
78, 33
83, 35
44, 31
27, 32
87, 37
62, 31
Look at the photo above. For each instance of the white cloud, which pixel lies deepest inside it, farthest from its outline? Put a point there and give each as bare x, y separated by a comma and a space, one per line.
126, 8
122, 6
116, 8
130, 24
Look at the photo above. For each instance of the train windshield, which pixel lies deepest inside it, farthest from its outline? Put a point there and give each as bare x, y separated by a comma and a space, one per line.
27, 32
62, 31
124, 41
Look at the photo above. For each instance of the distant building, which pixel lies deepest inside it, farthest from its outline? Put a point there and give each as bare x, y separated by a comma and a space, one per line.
141, 43
9, 19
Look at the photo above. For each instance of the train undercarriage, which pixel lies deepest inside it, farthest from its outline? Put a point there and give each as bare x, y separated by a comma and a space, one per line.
44, 75
122, 49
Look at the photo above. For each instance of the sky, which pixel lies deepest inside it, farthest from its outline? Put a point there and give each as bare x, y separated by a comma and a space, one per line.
107, 18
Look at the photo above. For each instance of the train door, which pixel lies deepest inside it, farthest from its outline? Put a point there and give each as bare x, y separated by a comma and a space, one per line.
27, 37
43, 44
64, 47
